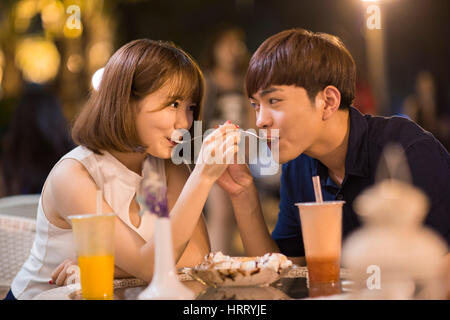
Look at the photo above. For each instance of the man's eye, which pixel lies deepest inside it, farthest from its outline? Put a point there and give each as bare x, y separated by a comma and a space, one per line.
254, 104
273, 100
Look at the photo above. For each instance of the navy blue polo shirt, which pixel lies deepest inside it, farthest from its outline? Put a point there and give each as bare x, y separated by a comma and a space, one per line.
428, 160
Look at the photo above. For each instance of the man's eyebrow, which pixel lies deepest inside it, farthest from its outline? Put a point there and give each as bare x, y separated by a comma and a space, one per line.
266, 92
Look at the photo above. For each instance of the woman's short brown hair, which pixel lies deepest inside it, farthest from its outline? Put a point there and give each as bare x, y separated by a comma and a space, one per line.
304, 59
108, 120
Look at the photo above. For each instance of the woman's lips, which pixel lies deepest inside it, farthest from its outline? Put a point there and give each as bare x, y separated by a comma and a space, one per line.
172, 143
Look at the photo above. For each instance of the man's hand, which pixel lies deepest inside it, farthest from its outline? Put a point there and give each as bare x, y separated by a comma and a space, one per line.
235, 179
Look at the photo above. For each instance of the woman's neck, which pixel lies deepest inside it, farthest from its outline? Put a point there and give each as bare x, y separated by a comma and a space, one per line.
132, 160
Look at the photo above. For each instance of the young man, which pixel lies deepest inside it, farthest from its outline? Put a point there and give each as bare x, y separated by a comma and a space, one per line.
303, 84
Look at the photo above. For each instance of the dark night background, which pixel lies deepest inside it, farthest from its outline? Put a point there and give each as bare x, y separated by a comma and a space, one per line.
417, 31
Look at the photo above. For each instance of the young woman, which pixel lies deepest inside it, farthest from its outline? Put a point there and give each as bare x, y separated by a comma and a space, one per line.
148, 91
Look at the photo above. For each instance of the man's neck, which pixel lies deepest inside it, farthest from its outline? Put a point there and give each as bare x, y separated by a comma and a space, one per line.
331, 147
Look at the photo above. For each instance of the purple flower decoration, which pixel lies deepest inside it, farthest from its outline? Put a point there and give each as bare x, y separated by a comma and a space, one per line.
156, 203
153, 192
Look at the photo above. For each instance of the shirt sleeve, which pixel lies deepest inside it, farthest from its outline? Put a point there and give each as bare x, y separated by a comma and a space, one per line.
429, 163
287, 233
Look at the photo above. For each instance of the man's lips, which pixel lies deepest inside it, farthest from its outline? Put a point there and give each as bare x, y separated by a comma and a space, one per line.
272, 140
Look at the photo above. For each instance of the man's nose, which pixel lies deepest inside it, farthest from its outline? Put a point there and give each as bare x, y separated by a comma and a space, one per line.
264, 118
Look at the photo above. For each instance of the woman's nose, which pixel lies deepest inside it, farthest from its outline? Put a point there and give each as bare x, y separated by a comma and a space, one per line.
264, 118
182, 119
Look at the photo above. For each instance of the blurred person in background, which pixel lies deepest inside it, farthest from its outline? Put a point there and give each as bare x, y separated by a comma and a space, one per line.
225, 61
37, 138
425, 105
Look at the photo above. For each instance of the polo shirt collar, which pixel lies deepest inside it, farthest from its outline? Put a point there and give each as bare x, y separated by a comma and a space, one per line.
357, 158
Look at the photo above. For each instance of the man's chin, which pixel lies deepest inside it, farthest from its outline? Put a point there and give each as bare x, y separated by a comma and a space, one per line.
285, 157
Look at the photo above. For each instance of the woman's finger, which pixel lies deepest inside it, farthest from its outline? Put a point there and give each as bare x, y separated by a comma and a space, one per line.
220, 132
232, 139
58, 270
231, 152
63, 275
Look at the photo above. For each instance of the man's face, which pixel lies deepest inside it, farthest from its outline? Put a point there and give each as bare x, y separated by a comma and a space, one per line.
289, 109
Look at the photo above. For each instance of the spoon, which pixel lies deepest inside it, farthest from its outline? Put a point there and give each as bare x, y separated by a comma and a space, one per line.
244, 132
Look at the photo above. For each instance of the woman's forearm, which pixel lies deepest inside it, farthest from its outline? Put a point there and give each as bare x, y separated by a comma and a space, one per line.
184, 215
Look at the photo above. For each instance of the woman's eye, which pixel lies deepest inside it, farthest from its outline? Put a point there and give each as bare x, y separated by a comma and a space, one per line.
174, 104
192, 108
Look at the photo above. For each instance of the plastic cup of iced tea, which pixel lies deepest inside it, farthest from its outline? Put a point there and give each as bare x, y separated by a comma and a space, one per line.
321, 224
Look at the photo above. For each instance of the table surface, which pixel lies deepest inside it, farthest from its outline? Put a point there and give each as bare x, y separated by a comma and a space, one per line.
293, 285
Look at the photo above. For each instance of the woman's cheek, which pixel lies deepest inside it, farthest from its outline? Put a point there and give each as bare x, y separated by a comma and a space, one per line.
190, 121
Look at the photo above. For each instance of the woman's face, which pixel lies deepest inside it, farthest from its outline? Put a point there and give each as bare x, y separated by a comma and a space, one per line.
160, 114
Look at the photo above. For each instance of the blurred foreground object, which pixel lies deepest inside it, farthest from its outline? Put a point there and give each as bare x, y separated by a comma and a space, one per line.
394, 256
152, 198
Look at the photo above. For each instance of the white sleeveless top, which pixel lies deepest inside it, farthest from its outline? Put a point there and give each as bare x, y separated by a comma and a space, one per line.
53, 245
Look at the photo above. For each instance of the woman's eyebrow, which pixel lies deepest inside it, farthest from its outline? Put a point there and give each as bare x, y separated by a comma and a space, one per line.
172, 98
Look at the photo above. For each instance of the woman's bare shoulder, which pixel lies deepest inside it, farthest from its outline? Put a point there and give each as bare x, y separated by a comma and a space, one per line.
68, 170
69, 187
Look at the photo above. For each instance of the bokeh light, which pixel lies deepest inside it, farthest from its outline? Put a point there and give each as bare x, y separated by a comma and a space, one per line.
38, 59
99, 54
24, 11
53, 16
75, 63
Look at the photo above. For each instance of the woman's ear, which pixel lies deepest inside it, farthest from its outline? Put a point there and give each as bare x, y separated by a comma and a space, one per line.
331, 97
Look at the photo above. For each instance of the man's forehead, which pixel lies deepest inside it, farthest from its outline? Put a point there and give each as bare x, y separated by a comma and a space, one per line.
262, 92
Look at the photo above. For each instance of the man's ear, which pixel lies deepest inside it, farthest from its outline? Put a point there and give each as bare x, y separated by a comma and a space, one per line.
331, 99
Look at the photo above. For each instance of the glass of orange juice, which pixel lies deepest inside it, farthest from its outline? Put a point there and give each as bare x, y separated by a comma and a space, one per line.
94, 241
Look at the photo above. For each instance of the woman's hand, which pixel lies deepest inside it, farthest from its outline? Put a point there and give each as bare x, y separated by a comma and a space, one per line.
62, 273
218, 150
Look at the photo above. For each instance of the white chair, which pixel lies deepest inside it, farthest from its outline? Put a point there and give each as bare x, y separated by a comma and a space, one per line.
16, 239
21, 205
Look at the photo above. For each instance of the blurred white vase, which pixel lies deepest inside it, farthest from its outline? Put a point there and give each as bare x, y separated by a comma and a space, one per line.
165, 284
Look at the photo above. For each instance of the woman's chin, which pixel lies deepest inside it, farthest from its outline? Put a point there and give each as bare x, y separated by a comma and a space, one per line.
162, 154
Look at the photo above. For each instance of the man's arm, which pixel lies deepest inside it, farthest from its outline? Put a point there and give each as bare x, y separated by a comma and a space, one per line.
237, 181
252, 226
